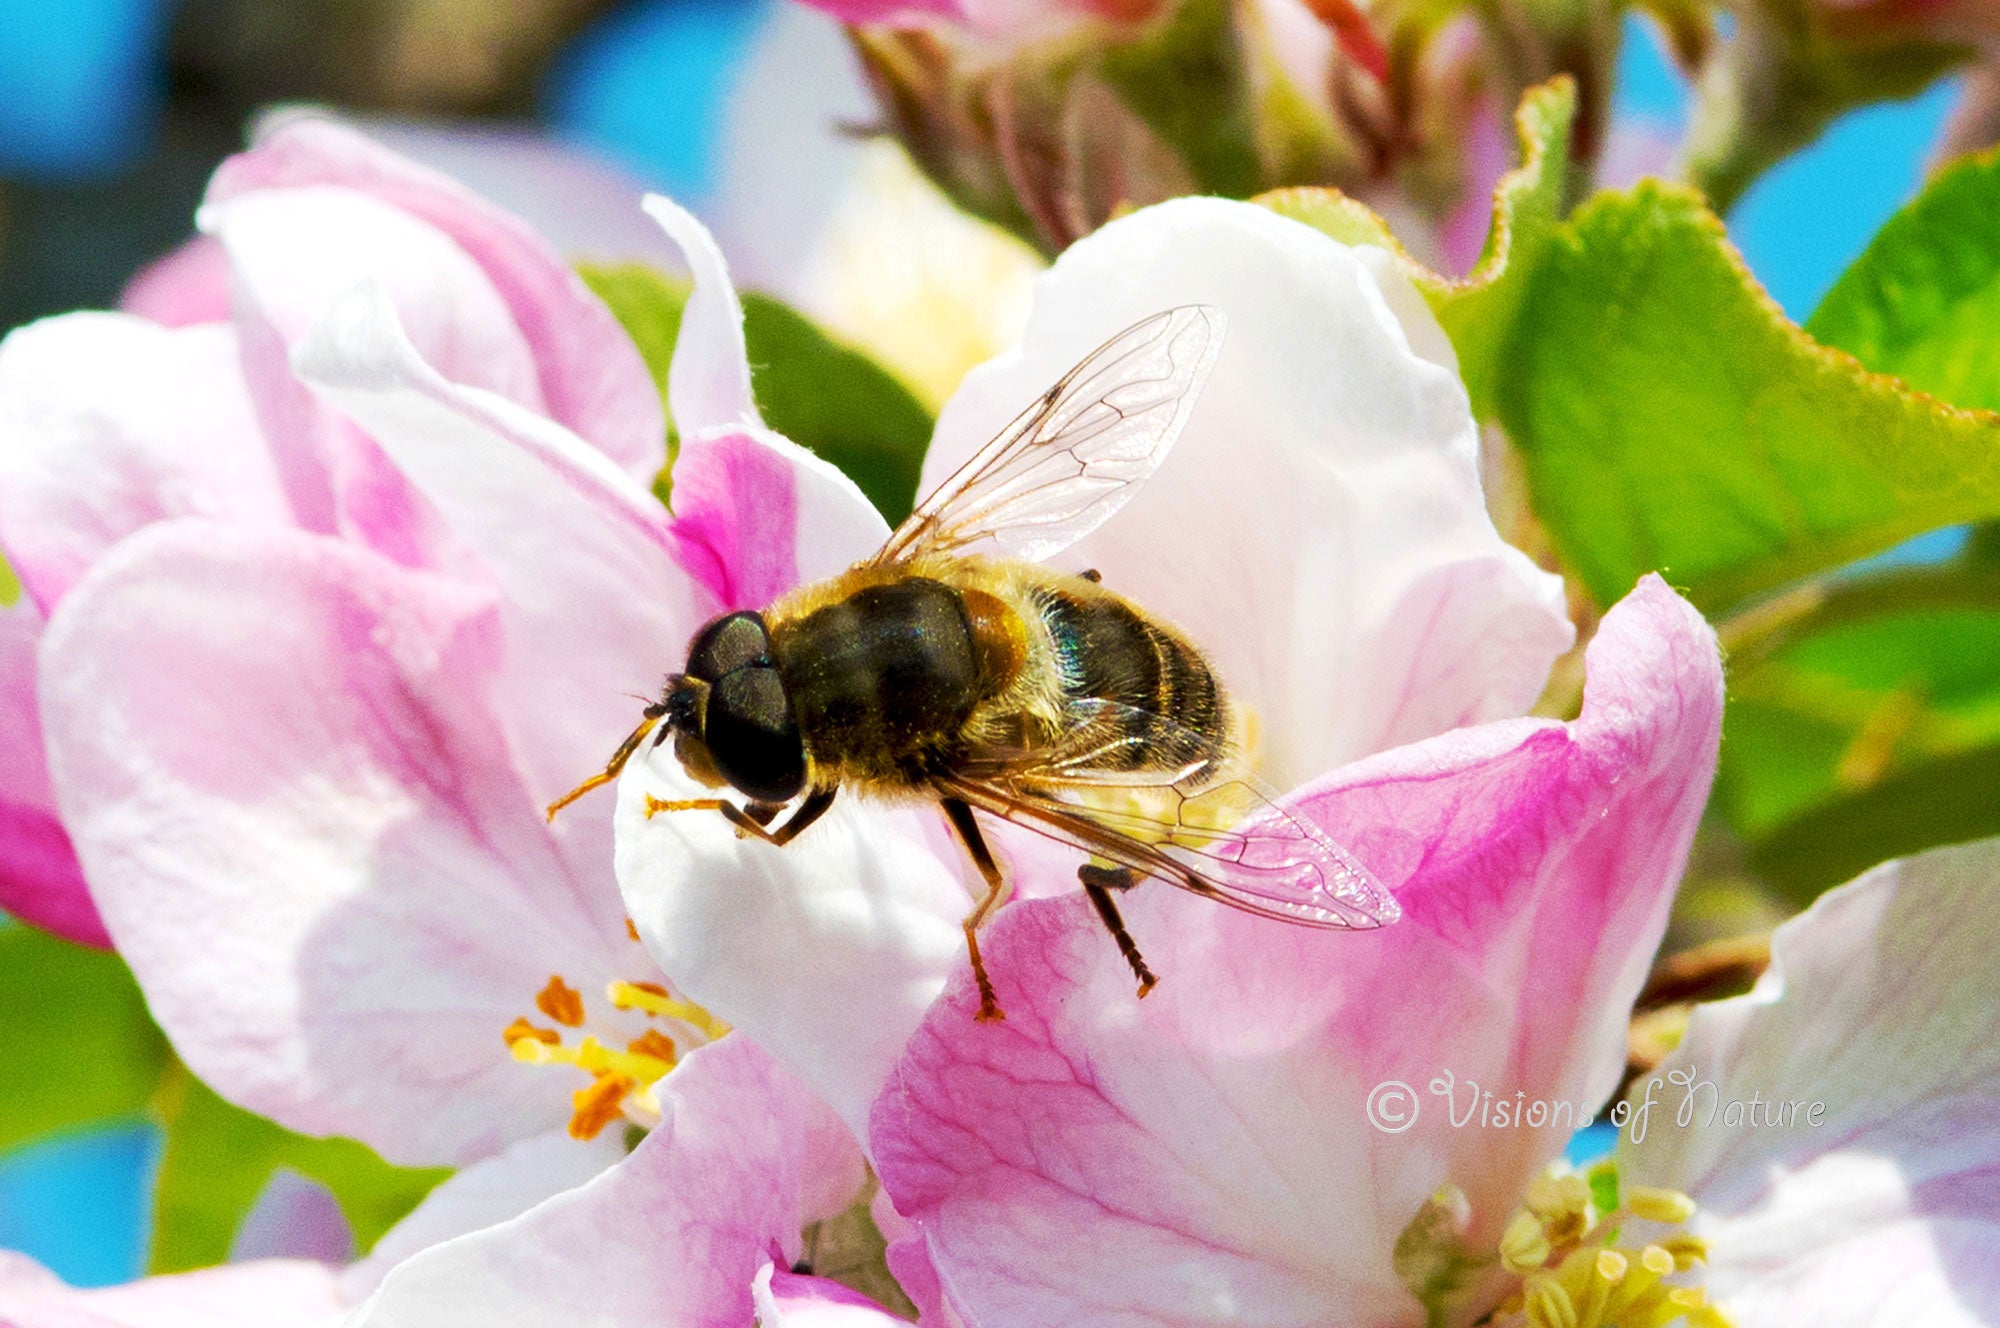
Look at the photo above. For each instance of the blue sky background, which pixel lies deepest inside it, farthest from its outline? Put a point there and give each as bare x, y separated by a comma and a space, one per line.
643, 85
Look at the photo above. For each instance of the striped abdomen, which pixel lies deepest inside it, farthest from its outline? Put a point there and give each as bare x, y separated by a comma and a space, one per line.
1167, 700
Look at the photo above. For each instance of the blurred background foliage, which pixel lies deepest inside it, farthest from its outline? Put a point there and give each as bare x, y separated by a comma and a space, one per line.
1864, 714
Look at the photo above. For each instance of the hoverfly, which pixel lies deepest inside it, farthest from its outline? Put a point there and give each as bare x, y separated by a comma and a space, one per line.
987, 682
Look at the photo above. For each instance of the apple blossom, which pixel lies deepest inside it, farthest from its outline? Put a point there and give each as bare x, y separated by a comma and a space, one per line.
1384, 643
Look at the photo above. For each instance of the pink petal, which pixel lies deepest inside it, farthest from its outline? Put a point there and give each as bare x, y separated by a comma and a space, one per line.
1319, 528
294, 1293
756, 515
294, 1218
1875, 1197
188, 285
585, 207
1205, 1157
585, 369
675, 1234
789, 1300
595, 605
84, 466
40, 881
279, 759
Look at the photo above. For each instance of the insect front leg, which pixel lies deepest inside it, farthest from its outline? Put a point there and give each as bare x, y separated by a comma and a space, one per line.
755, 821
1098, 883
960, 816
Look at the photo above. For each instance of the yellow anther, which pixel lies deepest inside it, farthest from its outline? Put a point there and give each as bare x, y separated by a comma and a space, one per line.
1656, 1205
561, 1002
1640, 1289
1523, 1246
1690, 1306
653, 999
1571, 1271
1549, 1306
1687, 1250
1562, 1202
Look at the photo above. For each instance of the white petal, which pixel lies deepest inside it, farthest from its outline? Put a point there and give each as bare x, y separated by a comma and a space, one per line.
498, 1189
827, 951
708, 385
269, 1293
1882, 1206
1320, 527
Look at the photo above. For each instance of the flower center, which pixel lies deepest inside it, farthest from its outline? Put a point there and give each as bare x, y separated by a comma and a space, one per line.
1570, 1246
1568, 1257
621, 1082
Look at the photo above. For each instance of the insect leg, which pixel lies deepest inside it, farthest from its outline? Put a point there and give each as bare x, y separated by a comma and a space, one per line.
612, 767
814, 807
745, 822
752, 821
960, 816
1098, 883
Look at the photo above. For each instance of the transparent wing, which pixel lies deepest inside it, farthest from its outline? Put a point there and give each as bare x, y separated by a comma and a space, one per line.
1185, 820
1076, 456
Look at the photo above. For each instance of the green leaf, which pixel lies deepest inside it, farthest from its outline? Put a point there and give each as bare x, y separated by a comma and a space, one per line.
839, 403
648, 304
10, 585
219, 1158
1478, 312
1671, 418
823, 395
1923, 301
76, 1039
1941, 802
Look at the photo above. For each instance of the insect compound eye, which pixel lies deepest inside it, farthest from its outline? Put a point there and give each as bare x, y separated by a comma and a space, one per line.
753, 736
729, 643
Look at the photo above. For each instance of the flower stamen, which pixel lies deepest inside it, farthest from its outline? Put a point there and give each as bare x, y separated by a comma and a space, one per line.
653, 999
621, 1082
1563, 1244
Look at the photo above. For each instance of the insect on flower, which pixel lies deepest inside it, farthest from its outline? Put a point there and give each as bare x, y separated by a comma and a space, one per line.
954, 667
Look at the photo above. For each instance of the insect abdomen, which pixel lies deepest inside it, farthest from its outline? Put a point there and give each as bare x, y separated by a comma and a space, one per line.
882, 681
1108, 651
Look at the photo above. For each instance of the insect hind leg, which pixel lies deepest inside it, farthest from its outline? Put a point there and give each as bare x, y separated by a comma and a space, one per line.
1098, 883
